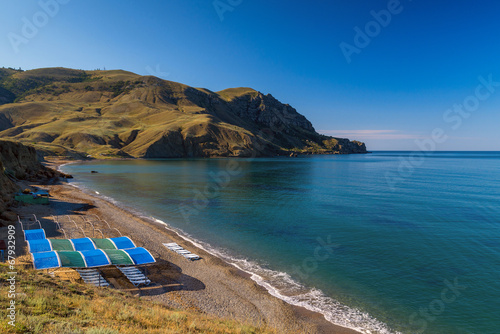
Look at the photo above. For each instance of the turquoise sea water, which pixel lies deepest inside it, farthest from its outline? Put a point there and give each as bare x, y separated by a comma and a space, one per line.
385, 242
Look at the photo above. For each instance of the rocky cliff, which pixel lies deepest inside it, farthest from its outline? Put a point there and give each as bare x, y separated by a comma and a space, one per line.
18, 161
7, 188
118, 113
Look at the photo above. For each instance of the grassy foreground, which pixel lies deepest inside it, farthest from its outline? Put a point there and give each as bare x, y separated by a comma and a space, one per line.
49, 305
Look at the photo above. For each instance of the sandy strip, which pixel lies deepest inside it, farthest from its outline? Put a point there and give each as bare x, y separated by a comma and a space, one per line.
209, 286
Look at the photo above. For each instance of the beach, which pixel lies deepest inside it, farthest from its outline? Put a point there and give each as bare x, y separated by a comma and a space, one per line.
210, 285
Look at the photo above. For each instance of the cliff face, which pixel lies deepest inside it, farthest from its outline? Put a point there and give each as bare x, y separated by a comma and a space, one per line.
266, 110
20, 162
344, 145
118, 113
7, 188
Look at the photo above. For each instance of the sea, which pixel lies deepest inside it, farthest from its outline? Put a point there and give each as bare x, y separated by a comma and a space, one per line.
387, 242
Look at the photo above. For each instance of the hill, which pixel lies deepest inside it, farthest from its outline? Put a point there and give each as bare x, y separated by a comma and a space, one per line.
63, 111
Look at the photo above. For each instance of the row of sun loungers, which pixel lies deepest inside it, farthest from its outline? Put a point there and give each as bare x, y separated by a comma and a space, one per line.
134, 275
92, 276
80, 244
181, 251
85, 254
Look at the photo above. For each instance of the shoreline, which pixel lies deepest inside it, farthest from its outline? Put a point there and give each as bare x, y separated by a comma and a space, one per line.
299, 319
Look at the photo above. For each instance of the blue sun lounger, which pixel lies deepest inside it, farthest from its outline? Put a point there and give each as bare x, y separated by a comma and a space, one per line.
123, 242
38, 234
39, 245
46, 260
82, 244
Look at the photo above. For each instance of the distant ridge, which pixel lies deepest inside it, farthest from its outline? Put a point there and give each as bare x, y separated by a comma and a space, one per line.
72, 112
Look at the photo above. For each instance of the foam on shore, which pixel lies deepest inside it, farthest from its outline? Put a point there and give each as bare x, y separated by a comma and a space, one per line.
282, 286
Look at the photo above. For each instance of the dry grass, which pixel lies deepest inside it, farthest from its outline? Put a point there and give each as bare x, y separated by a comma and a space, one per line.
232, 93
48, 305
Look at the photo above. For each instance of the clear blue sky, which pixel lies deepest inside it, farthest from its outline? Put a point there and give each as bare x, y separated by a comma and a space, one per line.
395, 90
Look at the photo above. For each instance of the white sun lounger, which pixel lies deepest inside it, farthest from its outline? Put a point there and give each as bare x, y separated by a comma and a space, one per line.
132, 273
130, 270
192, 257
92, 276
181, 251
135, 276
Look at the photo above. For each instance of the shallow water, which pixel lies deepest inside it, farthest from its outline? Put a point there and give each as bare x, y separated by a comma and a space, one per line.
368, 240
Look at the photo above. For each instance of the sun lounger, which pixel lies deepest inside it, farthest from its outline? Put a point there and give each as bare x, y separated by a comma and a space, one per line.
38, 234
92, 276
135, 276
97, 281
181, 251
132, 273
85, 273
130, 269
192, 257
137, 282
174, 247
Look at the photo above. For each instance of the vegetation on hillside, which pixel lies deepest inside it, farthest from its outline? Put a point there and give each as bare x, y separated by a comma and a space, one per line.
21, 85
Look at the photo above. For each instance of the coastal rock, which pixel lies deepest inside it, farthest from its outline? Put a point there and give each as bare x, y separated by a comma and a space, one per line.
18, 161
22, 162
7, 188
